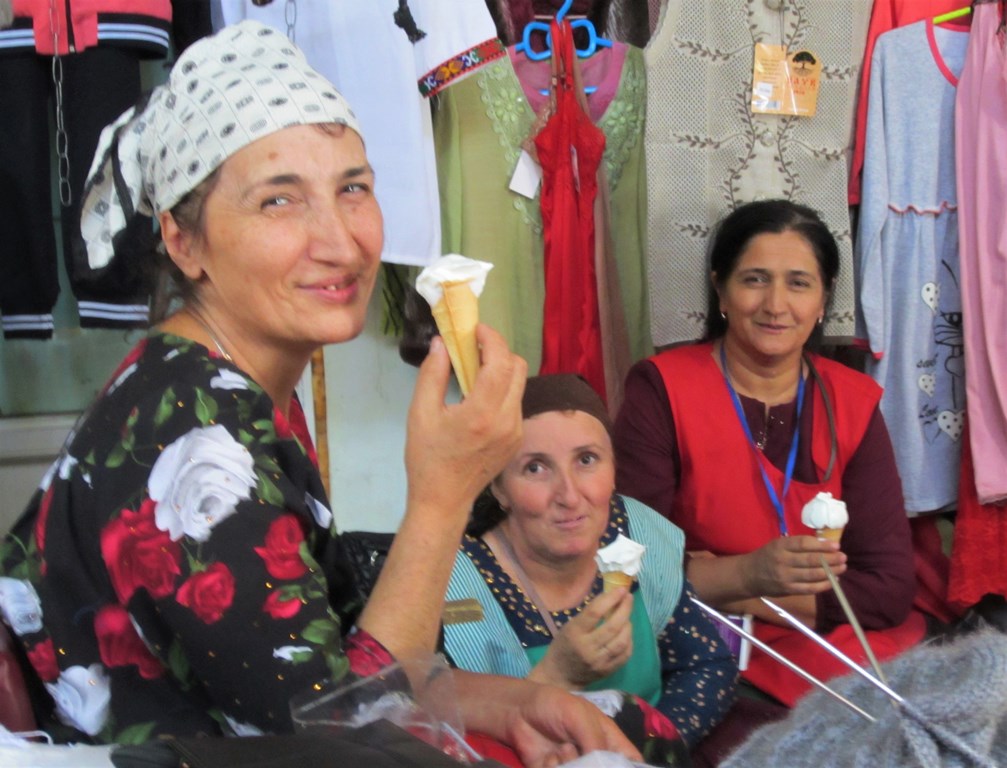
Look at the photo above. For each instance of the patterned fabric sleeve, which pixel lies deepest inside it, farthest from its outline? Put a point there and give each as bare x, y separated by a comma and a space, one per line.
169, 576
248, 617
699, 671
647, 466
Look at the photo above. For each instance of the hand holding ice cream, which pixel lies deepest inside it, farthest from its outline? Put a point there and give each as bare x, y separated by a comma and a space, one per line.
451, 286
826, 515
619, 562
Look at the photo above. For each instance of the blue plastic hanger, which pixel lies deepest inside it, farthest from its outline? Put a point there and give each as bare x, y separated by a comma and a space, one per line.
594, 40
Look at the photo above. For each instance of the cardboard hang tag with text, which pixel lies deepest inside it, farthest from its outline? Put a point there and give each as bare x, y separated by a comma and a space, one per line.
785, 84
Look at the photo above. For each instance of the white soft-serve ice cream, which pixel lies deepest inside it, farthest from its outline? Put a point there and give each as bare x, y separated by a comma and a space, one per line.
828, 516
619, 562
451, 285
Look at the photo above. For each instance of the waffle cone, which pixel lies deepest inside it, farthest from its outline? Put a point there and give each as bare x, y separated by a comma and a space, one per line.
829, 534
456, 315
615, 579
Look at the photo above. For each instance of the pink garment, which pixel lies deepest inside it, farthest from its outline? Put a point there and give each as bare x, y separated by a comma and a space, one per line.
981, 156
602, 70
886, 15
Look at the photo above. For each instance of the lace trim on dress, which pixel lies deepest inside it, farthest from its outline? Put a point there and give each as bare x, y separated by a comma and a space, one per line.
623, 121
513, 119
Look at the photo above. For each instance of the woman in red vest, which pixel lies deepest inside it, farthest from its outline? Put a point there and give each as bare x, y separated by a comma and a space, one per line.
730, 437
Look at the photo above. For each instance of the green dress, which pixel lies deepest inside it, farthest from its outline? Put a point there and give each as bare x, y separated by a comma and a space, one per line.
479, 126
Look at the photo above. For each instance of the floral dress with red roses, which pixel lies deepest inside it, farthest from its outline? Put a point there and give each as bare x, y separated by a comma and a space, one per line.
171, 574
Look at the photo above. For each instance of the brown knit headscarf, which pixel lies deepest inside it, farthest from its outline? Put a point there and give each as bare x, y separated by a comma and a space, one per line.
563, 392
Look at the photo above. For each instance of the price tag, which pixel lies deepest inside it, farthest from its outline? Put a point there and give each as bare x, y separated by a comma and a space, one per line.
527, 176
785, 84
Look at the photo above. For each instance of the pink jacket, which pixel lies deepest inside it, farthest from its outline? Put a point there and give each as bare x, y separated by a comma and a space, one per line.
143, 24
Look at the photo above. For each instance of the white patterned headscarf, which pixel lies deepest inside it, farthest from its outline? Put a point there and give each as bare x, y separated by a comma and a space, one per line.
224, 92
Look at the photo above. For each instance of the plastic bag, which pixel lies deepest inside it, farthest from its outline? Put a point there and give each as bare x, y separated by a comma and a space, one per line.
417, 694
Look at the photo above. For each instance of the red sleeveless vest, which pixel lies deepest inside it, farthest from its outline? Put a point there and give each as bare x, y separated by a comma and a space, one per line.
723, 506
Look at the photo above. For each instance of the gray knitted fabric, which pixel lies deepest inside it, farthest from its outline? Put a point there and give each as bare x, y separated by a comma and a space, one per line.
955, 715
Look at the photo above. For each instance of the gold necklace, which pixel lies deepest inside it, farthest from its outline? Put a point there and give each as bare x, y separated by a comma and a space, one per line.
198, 317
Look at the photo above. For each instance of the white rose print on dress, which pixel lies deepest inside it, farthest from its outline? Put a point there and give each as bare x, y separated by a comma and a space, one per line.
291, 652
82, 697
198, 480
228, 380
321, 513
20, 606
242, 729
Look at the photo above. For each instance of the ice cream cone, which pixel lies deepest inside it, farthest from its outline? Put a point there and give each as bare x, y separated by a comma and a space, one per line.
457, 315
615, 579
829, 534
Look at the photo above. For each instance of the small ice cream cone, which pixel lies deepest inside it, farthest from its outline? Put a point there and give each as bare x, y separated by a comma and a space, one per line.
829, 534
619, 563
826, 516
457, 315
451, 286
615, 579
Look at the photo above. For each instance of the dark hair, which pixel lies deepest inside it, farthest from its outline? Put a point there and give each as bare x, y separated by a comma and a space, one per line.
486, 515
736, 230
169, 283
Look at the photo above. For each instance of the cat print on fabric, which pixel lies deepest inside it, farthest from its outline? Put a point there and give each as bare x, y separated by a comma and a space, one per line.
946, 409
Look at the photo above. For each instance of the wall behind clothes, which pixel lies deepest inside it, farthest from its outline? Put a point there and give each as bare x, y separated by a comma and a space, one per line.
368, 391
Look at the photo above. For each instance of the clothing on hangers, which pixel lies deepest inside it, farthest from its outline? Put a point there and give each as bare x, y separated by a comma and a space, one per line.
981, 134
480, 127
707, 153
570, 149
885, 15
907, 256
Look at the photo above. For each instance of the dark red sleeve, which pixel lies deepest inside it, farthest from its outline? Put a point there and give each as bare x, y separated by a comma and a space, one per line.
879, 582
644, 437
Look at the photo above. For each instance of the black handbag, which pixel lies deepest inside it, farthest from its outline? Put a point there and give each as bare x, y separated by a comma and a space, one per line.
377, 745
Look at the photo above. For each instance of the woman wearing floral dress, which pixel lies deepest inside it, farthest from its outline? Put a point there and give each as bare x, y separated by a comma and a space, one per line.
173, 574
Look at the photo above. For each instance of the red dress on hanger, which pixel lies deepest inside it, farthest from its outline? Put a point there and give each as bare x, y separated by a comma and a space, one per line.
570, 149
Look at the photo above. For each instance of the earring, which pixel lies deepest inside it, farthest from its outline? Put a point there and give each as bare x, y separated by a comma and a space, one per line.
723, 316
821, 319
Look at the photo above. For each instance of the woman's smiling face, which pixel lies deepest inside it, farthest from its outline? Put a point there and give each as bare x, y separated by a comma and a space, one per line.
773, 297
292, 239
558, 486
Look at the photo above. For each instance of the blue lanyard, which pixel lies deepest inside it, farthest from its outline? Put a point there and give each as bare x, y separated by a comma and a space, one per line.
791, 457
